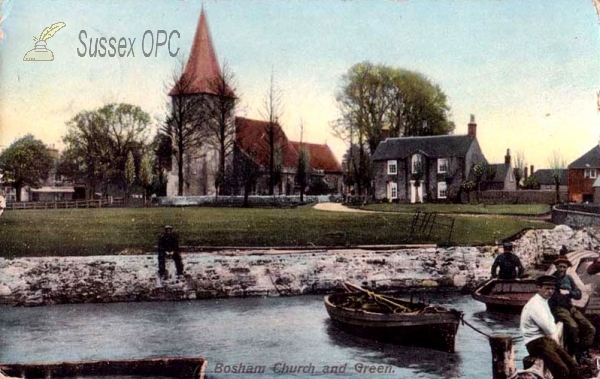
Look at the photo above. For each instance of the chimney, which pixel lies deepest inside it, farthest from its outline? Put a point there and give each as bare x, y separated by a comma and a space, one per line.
472, 127
531, 170
525, 172
507, 157
385, 133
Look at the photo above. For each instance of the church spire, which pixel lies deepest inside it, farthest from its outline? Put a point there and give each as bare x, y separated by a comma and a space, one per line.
202, 67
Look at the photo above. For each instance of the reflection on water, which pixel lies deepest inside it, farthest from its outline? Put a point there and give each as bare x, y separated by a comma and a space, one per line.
284, 336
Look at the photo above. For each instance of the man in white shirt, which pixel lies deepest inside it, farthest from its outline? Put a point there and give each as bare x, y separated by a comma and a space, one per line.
540, 333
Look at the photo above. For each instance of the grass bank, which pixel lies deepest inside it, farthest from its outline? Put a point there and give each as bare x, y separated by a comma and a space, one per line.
494, 209
80, 232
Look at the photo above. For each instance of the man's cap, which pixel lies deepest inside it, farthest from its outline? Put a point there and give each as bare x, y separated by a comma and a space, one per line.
564, 260
507, 246
545, 279
168, 227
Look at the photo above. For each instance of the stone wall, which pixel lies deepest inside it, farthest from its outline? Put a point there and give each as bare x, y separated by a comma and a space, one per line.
53, 280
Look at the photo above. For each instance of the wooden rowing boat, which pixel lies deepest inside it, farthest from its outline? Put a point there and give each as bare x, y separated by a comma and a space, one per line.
390, 319
505, 295
183, 368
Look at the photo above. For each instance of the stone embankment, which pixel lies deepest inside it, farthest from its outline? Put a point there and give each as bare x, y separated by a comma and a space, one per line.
54, 280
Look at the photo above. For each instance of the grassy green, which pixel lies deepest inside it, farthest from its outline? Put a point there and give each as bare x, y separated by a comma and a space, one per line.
496, 209
82, 232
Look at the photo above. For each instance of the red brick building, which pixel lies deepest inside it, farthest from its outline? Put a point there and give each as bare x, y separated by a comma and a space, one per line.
581, 176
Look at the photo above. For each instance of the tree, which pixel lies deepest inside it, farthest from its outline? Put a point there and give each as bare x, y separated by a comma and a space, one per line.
246, 171
303, 169
145, 173
372, 97
557, 165
519, 168
129, 173
185, 121
98, 143
220, 129
273, 109
26, 162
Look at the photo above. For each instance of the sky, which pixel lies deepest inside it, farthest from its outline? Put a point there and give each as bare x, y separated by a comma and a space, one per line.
528, 70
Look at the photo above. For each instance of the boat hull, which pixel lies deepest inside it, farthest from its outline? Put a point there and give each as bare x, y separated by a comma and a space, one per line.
431, 330
505, 295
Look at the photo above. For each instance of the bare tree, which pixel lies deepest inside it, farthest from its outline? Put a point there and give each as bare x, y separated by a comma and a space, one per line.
185, 119
272, 110
519, 168
303, 170
246, 170
221, 129
557, 165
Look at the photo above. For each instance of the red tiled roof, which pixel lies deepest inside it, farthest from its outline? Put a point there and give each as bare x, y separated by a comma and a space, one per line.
252, 137
321, 157
202, 67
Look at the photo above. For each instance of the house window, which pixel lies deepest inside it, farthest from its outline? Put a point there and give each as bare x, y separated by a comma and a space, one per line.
417, 166
443, 165
392, 167
590, 173
442, 190
393, 190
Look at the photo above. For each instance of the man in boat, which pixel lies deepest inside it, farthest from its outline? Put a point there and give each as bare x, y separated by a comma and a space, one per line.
168, 244
540, 333
578, 329
509, 265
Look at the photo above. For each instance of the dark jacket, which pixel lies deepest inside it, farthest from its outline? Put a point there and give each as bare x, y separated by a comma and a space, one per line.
559, 300
168, 242
510, 266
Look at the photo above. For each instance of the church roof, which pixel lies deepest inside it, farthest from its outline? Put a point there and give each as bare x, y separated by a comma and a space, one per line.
252, 137
202, 69
321, 156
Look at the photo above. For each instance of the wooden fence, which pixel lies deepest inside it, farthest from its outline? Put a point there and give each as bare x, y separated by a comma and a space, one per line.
56, 204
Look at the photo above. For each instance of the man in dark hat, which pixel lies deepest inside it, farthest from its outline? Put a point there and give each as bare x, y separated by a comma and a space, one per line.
168, 244
540, 334
509, 264
579, 331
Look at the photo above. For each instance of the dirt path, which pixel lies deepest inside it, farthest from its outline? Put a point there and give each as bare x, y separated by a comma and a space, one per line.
337, 207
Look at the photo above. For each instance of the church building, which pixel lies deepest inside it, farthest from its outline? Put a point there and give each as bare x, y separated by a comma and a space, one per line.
220, 161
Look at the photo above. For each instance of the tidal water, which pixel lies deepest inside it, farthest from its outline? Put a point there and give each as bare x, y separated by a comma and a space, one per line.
278, 337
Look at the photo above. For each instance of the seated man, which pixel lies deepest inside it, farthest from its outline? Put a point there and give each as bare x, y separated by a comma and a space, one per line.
509, 264
540, 332
168, 243
579, 332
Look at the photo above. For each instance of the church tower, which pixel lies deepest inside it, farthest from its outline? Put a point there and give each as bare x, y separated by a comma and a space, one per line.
201, 99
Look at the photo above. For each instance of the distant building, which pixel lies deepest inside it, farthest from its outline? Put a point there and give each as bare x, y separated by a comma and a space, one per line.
423, 169
582, 173
545, 179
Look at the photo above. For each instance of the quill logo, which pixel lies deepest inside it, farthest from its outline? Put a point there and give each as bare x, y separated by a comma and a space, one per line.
40, 52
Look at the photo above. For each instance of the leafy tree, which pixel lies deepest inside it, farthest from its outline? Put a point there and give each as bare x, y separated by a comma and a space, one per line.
372, 97
98, 143
220, 128
557, 164
186, 119
26, 162
145, 173
129, 172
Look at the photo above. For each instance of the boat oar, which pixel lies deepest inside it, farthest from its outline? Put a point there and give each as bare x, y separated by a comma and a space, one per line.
378, 297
